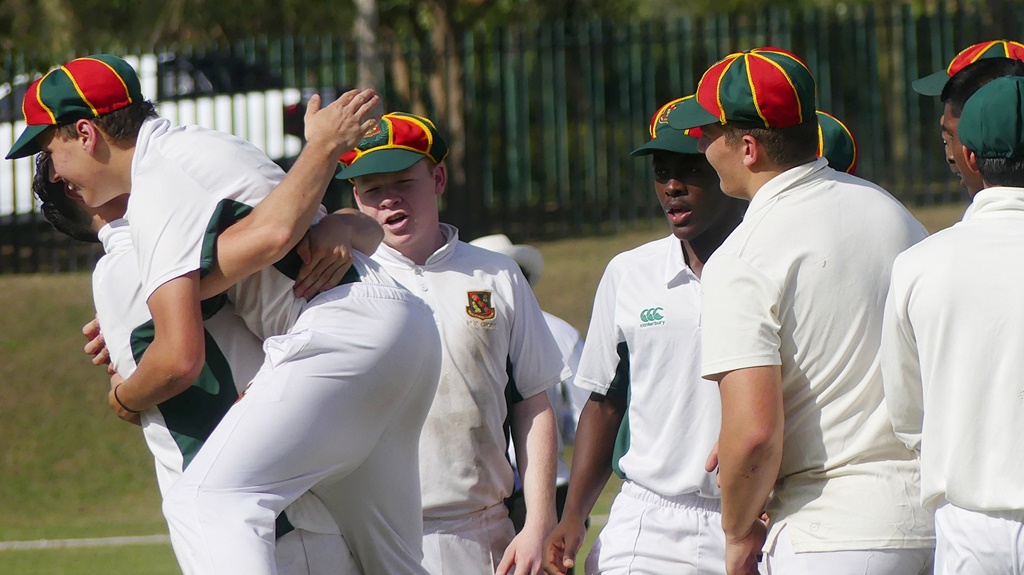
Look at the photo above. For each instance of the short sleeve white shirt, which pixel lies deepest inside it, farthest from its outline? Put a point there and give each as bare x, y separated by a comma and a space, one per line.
574, 397
953, 355
496, 345
123, 315
645, 336
188, 185
801, 283
169, 428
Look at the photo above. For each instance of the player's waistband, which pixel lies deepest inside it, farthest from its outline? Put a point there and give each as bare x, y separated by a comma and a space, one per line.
346, 295
684, 501
495, 514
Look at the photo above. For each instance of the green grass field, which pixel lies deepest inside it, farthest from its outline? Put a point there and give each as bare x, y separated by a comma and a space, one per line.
70, 469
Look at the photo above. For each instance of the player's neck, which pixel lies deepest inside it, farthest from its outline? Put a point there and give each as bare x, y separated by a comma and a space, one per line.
120, 161
698, 250
419, 250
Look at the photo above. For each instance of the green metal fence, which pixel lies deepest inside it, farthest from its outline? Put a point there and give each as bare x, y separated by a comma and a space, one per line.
542, 118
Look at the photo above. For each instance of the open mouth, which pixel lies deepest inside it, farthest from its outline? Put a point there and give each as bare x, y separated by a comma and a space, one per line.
678, 215
395, 220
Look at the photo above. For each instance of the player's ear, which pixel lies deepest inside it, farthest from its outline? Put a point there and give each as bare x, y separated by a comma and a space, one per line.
971, 159
752, 152
440, 178
88, 134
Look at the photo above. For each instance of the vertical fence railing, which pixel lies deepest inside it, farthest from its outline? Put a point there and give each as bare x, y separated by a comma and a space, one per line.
550, 111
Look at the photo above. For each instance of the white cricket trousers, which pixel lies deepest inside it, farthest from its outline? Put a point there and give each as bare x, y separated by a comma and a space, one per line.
782, 560
471, 544
978, 543
339, 404
655, 534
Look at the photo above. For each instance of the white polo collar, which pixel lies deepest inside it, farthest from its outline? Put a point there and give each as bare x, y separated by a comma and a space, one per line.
789, 179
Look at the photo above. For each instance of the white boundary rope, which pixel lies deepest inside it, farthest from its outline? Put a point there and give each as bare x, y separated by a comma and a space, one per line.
96, 542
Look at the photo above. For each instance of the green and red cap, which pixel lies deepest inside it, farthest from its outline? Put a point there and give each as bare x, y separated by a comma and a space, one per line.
933, 84
764, 87
664, 138
836, 143
397, 142
83, 88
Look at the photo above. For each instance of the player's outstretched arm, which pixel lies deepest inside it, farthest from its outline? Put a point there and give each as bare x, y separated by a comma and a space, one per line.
175, 358
591, 467
533, 432
749, 457
277, 224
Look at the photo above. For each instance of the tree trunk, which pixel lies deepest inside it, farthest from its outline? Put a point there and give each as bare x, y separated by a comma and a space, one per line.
369, 73
447, 93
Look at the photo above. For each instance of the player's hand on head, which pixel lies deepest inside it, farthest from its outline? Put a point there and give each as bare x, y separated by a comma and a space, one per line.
344, 122
326, 252
96, 345
563, 545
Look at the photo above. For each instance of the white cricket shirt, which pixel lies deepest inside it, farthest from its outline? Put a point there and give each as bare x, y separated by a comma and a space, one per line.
497, 349
175, 429
801, 283
953, 355
644, 343
188, 185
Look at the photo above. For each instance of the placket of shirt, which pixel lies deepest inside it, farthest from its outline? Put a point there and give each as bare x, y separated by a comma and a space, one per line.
422, 286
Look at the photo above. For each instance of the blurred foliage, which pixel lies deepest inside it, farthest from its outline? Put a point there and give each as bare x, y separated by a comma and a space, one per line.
45, 29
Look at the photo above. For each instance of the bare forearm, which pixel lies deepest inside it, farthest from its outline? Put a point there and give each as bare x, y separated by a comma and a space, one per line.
288, 211
592, 455
176, 356
747, 475
750, 445
157, 380
536, 453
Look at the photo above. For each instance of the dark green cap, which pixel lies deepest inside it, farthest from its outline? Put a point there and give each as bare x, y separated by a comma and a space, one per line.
992, 123
836, 143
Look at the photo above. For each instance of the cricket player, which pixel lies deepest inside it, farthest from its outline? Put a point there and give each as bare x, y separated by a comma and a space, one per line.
499, 359
650, 417
308, 540
953, 330
971, 69
790, 330
329, 408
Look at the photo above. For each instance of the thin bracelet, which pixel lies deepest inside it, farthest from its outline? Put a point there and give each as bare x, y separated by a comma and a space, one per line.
121, 403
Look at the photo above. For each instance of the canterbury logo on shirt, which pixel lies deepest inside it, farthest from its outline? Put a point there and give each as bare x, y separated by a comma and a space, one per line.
652, 316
